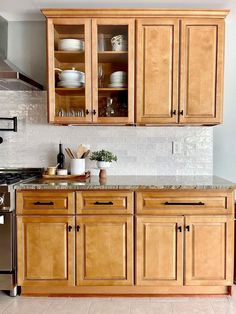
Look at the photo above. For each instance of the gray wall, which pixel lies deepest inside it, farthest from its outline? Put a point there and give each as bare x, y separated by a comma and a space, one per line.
27, 48
225, 134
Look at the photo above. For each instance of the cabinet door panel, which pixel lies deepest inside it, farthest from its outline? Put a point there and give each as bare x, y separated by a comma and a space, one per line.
209, 251
202, 51
157, 70
159, 251
105, 250
45, 251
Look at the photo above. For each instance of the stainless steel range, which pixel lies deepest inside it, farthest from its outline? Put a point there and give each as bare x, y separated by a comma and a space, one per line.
8, 179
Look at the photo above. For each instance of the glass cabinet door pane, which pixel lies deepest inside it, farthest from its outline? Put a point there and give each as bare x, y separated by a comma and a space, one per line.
113, 68
71, 70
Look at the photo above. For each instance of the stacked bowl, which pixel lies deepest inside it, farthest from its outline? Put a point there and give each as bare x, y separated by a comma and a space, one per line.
118, 79
71, 44
71, 78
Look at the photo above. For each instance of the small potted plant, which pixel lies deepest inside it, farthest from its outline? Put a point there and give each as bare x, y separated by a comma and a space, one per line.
104, 159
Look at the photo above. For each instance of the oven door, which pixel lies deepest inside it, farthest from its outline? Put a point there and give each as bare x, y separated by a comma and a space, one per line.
7, 245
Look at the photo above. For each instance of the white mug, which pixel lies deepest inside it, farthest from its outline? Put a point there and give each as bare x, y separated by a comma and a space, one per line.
77, 166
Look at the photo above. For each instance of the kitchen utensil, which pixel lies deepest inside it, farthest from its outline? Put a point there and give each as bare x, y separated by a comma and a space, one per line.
71, 44
80, 151
71, 153
86, 154
77, 166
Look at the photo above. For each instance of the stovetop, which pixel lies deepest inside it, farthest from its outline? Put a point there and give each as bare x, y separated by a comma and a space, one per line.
9, 176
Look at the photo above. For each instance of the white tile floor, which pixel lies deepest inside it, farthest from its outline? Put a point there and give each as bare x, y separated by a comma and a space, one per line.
195, 305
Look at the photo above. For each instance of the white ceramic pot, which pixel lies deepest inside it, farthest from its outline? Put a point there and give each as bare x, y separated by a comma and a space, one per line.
77, 166
70, 44
70, 75
103, 164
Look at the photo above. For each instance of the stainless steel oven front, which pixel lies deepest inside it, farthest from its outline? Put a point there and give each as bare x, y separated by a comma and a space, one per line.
8, 252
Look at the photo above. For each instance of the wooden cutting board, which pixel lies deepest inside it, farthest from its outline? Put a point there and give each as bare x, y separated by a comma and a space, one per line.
81, 177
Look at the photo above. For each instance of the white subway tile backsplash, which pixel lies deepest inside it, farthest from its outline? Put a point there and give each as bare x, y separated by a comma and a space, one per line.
140, 150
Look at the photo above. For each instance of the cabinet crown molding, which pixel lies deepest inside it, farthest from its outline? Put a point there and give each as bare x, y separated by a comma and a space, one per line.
73, 12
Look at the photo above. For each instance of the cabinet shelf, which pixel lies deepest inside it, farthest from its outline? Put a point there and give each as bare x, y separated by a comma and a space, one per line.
70, 91
110, 89
69, 56
113, 56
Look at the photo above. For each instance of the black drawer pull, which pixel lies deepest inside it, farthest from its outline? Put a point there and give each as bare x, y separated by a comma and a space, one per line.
69, 228
103, 203
43, 203
186, 204
180, 228
78, 228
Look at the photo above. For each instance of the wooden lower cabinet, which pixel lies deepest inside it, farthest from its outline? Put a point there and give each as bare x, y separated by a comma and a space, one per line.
104, 250
159, 243
208, 248
45, 250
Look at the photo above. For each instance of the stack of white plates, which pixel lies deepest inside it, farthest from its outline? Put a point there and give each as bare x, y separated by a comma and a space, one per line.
70, 84
118, 79
71, 44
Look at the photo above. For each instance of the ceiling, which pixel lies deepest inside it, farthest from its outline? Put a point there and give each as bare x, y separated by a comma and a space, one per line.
22, 10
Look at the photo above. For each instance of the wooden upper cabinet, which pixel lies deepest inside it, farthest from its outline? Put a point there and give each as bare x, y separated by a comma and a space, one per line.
159, 251
208, 249
104, 250
174, 61
45, 250
202, 70
157, 70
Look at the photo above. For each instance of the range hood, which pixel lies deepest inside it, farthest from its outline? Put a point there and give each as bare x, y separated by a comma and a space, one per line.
11, 77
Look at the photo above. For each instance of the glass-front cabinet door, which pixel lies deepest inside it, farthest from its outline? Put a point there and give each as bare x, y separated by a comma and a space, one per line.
113, 70
69, 68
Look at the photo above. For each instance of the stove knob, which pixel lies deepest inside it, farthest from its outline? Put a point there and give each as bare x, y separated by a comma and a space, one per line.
1, 200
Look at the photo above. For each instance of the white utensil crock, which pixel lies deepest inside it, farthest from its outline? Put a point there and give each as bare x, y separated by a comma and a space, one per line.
77, 166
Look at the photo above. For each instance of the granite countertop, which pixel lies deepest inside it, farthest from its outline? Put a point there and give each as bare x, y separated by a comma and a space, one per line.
131, 182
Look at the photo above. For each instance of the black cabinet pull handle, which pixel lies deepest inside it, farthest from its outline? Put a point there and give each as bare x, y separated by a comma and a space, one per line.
180, 228
187, 228
185, 204
43, 203
78, 228
103, 203
181, 112
69, 228
174, 112
87, 111
94, 112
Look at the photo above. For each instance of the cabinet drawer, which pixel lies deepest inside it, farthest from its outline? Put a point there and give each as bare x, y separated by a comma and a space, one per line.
184, 202
104, 202
37, 202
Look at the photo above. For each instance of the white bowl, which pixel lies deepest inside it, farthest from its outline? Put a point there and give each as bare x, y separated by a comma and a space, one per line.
118, 74
62, 172
70, 75
118, 80
70, 44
